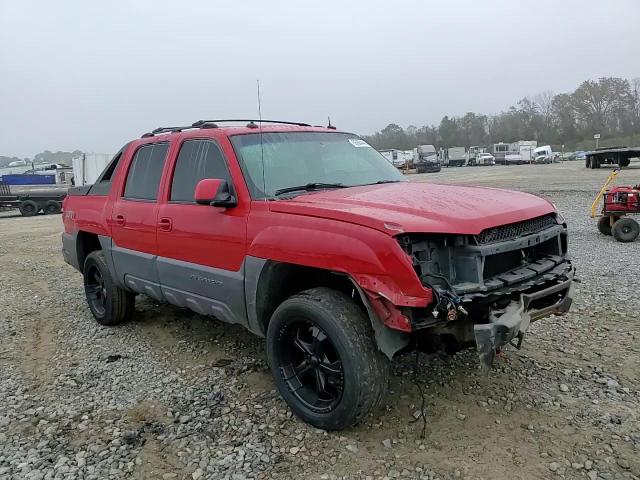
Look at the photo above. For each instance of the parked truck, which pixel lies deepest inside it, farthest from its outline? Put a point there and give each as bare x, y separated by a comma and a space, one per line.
308, 237
455, 157
426, 159
477, 156
520, 152
499, 151
543, 154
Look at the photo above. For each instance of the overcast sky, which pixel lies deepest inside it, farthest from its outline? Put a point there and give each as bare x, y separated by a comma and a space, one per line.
92, 75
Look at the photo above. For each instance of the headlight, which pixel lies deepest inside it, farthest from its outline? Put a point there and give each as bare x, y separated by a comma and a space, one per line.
559, 217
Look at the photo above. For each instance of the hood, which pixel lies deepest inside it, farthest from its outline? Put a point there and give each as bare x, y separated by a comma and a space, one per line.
408, 207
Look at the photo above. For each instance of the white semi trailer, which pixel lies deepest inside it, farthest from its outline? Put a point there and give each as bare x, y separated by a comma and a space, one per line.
88, 167
521, 152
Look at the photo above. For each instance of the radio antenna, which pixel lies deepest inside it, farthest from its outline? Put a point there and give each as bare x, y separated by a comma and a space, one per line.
264, 182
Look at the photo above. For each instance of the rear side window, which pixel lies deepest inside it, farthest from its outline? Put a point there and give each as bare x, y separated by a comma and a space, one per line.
103, 183
145, 172
197, 160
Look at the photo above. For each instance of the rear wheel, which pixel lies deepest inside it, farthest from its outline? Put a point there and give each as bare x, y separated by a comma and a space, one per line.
52, 207
28, 208
604, 225
625, 230
324, 358
109, 304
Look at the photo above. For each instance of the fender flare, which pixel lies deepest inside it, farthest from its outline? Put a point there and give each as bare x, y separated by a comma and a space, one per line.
389, 341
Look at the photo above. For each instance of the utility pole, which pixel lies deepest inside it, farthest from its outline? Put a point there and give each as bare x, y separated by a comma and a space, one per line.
597, 138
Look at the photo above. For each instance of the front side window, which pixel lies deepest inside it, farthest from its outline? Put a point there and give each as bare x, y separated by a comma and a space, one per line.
197, 160
275, 161
145, 172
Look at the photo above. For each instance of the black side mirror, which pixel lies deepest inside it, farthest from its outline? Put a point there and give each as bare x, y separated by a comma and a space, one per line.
224, 197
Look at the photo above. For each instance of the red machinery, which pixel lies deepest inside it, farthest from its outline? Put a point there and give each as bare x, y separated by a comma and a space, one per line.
618, 203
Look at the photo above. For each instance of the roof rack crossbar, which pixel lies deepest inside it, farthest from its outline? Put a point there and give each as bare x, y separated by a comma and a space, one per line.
212, 124
170, 129
255, 120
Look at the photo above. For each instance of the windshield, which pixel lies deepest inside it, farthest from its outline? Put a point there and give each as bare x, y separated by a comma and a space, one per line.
299, 158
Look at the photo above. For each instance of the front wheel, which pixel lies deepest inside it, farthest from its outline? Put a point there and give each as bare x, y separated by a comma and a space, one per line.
109, 303
323, 355
625, 230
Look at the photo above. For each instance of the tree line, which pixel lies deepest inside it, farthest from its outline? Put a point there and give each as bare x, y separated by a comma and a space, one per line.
43, 157
609, 106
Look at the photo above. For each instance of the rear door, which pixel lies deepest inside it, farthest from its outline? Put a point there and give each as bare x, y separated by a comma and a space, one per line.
201, 249
134, 220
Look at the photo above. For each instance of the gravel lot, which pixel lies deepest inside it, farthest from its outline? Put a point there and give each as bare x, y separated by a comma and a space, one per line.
173, 395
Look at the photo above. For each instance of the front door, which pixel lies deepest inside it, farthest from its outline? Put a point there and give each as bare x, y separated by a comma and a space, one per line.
201, 248
134, 221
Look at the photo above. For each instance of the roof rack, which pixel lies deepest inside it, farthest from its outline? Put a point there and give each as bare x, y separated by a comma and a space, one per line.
250, 120
252, 123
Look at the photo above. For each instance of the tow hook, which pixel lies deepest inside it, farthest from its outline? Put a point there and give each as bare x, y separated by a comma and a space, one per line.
504, 327
453, 313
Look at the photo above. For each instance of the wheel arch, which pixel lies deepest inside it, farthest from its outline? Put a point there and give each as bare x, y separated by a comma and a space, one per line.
87, 242
269, 283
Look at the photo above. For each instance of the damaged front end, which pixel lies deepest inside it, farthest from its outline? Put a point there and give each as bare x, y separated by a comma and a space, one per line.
489, 287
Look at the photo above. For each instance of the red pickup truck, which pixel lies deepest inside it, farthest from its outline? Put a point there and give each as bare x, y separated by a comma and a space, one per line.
309, 237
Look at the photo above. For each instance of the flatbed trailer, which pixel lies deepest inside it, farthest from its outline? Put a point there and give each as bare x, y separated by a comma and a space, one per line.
620, 156
30, 201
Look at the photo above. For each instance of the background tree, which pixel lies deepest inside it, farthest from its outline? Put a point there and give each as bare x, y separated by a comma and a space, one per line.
609, 106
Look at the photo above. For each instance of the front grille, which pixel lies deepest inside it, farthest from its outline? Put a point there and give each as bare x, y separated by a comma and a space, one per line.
515, 230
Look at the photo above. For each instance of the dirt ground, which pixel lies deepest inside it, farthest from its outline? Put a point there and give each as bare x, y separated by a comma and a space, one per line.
176, 395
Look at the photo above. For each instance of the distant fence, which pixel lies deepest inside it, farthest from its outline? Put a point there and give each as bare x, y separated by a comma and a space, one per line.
28, 179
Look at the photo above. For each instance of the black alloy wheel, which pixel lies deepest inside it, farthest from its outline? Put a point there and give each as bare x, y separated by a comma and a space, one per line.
324, 358
310, 366
96, 290
109, 304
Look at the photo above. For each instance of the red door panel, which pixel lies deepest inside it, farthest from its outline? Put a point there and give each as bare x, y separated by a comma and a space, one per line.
133, 225
203, 235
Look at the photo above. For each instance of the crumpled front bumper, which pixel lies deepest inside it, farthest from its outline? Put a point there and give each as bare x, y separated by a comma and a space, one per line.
513, 321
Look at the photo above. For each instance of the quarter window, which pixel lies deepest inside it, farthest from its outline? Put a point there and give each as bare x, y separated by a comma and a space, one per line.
197, 160
145, 172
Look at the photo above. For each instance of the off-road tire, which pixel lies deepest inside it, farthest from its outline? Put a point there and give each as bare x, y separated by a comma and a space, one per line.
119, 304
365, 368
625, 230
28, 208
604, 225
52, 207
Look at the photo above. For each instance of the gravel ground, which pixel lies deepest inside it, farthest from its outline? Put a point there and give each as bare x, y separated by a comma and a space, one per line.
173, 395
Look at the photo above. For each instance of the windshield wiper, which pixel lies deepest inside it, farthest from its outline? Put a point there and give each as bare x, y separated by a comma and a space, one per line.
309, 187
379, 182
